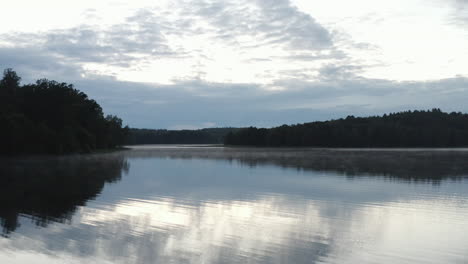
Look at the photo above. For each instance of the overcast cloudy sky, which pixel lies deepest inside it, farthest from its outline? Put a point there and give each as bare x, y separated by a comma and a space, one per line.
204, 63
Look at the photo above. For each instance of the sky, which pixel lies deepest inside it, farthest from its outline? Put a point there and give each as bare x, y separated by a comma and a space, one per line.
184, 64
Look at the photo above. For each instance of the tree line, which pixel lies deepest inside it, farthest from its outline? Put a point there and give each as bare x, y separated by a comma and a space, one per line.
432, 128
53, 117
162, 136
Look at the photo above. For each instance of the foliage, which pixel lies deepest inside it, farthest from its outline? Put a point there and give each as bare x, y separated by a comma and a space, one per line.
52, 117
432, 128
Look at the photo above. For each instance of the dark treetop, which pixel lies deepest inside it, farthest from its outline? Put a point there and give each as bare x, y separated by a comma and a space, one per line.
52, 117
432, 128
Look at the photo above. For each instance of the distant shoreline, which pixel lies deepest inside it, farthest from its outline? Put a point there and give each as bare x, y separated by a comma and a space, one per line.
180, 146
409, 129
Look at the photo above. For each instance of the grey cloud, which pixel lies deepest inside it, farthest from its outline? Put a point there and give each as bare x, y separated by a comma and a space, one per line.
334, 54
336, 92
343, 72
460, 11
299, 28
331, 73
142, 37
193, 102
306, 56
117, 45
270, 22
32, 64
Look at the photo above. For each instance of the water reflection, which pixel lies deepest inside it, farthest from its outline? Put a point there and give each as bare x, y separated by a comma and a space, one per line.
403, 164
161, 231
50, 189
270, 229
215, 205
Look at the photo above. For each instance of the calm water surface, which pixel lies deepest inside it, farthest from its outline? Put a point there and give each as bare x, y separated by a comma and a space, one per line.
176, 204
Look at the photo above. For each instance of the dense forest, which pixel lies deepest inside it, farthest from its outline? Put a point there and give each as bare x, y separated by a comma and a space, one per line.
53, 117
432, 128
163, 136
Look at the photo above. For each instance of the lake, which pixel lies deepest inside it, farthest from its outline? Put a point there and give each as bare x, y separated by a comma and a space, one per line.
208, 204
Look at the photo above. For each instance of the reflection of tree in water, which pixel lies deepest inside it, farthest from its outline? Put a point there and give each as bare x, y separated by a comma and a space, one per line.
416, 166
409, 165
51, 189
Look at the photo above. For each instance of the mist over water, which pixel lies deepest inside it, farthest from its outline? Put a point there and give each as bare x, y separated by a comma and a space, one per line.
180, 204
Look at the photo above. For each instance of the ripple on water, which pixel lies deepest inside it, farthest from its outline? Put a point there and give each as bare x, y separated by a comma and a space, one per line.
171, 205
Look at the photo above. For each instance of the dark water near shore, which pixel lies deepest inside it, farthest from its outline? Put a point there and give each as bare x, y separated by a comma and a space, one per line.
176, 204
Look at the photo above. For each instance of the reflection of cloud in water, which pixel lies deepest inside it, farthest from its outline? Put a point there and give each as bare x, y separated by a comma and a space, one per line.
207, 211
220, 231
143, 231
271, 229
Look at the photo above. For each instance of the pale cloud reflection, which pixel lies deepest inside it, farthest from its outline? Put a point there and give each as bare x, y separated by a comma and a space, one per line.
166, 229
271, 228
203, 231
251, 205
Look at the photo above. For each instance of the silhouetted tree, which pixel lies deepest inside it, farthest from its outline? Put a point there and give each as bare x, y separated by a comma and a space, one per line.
52, 117
432, 128
8, 87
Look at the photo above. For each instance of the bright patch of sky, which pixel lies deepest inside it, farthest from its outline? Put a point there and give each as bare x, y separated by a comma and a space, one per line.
412, 39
